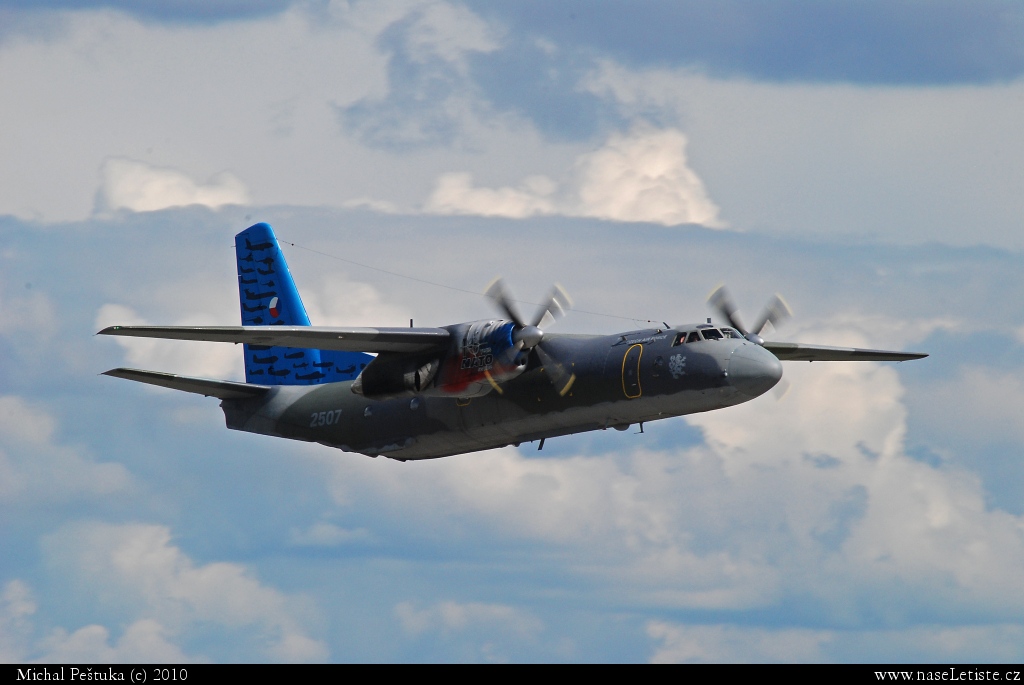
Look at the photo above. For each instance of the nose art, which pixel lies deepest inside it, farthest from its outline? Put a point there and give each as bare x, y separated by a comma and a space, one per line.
753, 370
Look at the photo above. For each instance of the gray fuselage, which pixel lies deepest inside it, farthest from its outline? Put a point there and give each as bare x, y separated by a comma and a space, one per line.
621, 379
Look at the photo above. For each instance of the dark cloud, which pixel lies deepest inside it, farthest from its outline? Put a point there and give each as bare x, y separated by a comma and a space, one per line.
872, 42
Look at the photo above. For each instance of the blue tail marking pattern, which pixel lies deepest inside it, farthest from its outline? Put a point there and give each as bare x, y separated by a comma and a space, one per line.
268, 297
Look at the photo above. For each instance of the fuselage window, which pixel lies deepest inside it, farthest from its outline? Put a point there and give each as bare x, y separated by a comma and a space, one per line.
712, 334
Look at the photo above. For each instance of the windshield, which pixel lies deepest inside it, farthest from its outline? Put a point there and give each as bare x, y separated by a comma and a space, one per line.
707, 334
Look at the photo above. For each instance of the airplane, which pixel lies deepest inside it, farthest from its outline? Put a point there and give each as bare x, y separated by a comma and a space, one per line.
423, 393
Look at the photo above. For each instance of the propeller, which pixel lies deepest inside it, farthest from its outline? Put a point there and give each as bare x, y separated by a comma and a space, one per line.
775, 312
530, 336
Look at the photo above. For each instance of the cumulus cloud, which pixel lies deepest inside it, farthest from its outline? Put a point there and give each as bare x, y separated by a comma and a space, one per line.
831, 159
640, 176
36, 468
139, 187
334, 300
137, 568
143, 641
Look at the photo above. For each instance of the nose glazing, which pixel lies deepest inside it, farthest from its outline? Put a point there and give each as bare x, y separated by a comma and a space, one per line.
753, 370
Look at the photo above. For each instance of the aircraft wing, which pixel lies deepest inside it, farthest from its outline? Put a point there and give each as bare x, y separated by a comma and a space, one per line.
310, 337
225, 390
820, 353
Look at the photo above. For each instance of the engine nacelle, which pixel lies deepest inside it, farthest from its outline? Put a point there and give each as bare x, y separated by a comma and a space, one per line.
392, 375
482, 355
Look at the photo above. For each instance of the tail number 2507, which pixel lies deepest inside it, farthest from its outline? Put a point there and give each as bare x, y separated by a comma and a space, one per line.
324, 418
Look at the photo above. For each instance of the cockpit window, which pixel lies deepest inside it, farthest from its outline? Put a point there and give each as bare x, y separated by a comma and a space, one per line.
732, 333
693, 336
712, 334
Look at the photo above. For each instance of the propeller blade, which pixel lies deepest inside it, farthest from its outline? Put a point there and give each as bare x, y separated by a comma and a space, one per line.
560, 377
499, 295
775, 312
531, 336
557, 304
720, 300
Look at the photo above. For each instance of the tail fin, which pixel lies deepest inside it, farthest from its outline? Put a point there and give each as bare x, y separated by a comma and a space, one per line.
269, 297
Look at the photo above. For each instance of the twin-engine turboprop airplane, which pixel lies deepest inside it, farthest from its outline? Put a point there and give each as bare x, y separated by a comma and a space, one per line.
435, 392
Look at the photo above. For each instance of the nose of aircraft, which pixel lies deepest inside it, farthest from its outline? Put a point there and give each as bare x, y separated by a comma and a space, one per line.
753, 370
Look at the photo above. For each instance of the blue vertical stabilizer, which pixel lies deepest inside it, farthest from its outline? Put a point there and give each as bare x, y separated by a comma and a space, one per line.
269, 297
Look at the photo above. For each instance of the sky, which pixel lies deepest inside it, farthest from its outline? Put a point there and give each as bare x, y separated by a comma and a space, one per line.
861, 158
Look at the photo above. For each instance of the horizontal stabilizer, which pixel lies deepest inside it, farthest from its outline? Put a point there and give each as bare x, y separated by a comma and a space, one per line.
225, 390
821, 353
309, 337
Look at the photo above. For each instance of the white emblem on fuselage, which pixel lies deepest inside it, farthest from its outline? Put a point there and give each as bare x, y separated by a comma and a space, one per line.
677, 365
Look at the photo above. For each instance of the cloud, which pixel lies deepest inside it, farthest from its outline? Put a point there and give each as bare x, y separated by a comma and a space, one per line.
642, 176
139, 187
721, 643
416, 87
136, 568
457, 617
16, 610
429, 99
330, 300
143, 641
334, 300
811, 500
734, 644
985, 404
36, 469
207, 360
482, 631
324, 534
820, 159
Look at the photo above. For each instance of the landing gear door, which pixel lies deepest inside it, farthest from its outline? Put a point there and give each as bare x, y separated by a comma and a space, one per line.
631, 371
